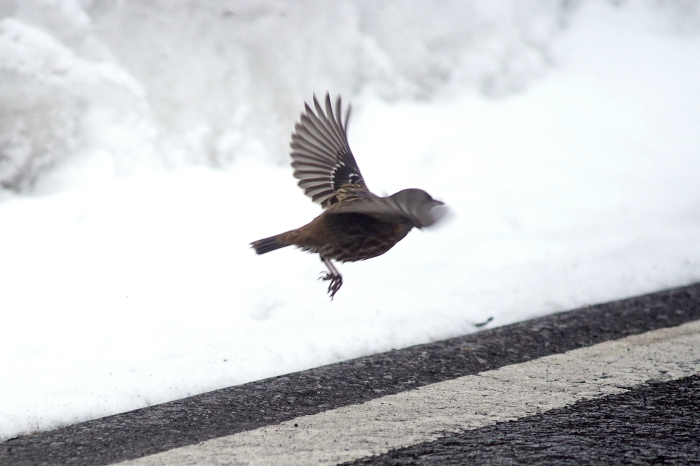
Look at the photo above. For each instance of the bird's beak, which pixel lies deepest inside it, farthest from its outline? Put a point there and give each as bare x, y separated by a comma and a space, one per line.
438, 209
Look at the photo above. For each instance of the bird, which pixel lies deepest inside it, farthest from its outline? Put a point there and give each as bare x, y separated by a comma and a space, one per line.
355, 224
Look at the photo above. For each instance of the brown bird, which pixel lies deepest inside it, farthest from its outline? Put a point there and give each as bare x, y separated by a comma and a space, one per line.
355, 224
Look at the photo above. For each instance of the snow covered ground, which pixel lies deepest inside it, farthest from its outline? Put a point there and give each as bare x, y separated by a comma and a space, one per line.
126, 279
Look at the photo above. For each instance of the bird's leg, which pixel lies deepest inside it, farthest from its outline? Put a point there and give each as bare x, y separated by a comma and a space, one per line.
333, 275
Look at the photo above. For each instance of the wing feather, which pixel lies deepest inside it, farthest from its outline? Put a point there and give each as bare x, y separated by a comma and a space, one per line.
321, 156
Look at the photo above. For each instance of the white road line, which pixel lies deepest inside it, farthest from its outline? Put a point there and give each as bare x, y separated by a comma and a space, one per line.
470, 402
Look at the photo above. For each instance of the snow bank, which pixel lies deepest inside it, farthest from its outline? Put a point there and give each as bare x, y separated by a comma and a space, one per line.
173, 82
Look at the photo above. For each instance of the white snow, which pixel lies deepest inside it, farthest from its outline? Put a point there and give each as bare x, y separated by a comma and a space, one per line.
126, 277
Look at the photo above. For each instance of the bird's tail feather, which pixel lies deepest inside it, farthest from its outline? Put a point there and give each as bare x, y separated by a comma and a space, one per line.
265, 245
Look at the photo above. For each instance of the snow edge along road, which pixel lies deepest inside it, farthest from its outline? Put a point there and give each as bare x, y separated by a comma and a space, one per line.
276, 400
427, 413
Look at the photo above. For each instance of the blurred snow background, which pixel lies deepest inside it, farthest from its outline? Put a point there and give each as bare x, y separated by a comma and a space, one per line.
143, 145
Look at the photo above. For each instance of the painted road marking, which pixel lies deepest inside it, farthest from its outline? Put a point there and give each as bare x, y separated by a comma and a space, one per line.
469, 402
654, 423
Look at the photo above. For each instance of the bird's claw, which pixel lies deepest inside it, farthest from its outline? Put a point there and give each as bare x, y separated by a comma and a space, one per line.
334, 285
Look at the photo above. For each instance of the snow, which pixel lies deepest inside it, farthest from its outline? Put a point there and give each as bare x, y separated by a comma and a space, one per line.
125, 268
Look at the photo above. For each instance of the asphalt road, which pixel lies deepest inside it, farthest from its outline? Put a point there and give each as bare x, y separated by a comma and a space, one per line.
613, 383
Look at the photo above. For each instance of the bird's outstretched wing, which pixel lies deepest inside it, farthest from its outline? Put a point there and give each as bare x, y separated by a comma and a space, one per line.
321, 156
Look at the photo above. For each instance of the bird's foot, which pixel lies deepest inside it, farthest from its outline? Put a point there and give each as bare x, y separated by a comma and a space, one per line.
335, 284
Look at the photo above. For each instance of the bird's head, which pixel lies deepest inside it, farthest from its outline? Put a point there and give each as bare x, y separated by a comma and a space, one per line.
420, 208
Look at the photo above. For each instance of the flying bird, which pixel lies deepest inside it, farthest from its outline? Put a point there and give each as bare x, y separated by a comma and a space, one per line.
355, 224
